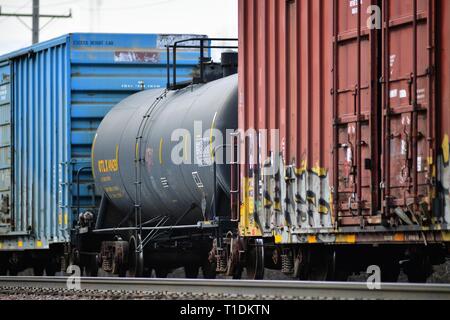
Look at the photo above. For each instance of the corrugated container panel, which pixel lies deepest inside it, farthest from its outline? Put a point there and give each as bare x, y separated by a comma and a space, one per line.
60, 92
285, 83
406, 64
442, 115
41, 126
5, 147
444, 67
105, 69
337, 89
411, 46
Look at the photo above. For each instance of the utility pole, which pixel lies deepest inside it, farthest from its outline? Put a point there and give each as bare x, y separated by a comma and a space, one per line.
35, 19
35, 28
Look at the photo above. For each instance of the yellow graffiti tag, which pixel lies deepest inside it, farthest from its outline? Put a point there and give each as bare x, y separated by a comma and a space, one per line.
93, 155
303, 168
211, 148
247, 224
319, 171
446, 149
161, 145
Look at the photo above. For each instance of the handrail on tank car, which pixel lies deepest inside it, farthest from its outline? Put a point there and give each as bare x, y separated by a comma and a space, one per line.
79, 172
216, 201
235, 177
202, 47
199, 226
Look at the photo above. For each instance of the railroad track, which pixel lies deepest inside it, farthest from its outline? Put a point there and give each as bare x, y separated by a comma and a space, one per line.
221, 289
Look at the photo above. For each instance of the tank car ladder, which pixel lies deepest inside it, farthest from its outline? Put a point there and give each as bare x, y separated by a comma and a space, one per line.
138, 178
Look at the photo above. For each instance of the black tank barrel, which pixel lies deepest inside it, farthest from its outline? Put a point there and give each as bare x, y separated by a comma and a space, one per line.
163, 143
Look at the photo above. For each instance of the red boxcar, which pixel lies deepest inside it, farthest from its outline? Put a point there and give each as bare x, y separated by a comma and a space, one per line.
359, 94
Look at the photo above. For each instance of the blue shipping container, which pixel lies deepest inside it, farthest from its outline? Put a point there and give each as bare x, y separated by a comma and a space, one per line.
53, 97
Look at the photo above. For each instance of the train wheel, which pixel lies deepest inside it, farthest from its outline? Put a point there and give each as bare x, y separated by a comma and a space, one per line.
136, 258
418, 270
338, 271
317, 264
161, 273
320, 267
237, 274
38, 271
119, 269
390, 271
318, 271
38, 263
13, 272
234, 265
300, 265
3, 269
13, 265
191, 272
91, 267
255, 260
147, 273
50, 268
209, 270
3, 264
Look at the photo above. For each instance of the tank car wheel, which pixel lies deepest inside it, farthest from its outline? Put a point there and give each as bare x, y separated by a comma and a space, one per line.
3, 268
13, 272
237, 274
50, 268
13, 265
74, 258
3, 264
191, 272
255, 260
209, 270
91, 267
136, 259
147, 273
119, 269
38, 271
161, 273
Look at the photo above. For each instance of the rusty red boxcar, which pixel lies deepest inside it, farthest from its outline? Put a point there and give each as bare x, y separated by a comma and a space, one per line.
344, 118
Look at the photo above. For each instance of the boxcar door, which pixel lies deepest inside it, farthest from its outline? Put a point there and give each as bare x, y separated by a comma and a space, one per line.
355, 107
408, 115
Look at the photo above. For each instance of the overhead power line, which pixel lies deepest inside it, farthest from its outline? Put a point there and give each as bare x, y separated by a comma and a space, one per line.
35, 19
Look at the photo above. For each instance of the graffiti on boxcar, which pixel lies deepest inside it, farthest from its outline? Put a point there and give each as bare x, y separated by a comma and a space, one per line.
313, 197
291, 200
444, 176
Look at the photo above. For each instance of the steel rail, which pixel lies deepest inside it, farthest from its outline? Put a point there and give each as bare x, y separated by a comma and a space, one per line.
275, 289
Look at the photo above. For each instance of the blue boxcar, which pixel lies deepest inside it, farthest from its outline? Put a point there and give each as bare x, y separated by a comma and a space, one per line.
53, 96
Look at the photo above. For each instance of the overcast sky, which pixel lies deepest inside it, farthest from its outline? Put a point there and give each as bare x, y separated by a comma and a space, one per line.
216, 18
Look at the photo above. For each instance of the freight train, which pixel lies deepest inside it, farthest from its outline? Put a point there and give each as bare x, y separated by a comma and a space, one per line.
328, 153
